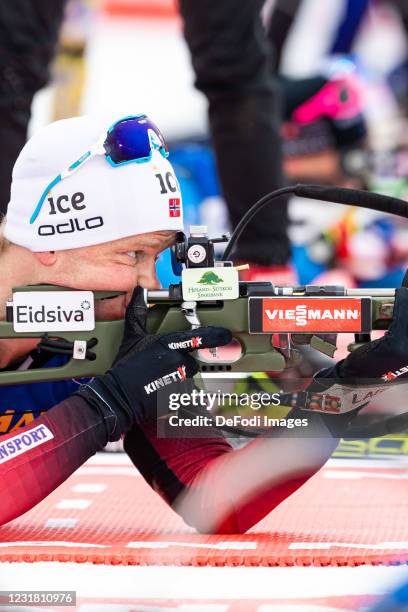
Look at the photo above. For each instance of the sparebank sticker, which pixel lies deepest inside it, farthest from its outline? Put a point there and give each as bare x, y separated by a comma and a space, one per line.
23, 442
201, 284
49, 311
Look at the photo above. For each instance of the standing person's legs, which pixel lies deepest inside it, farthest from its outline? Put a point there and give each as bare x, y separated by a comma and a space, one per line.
230, 58
403, 9
28, 38
279, 22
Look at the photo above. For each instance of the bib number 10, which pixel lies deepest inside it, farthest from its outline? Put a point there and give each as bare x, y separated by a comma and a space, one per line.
168, 182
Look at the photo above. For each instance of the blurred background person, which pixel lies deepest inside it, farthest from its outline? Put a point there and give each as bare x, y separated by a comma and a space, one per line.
28, 39
255, 76
232, 64
40, 40
231, 60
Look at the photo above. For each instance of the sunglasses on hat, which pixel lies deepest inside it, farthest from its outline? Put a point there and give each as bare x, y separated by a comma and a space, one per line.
130, 140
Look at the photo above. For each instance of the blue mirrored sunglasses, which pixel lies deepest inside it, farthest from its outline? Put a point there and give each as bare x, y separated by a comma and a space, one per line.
129, 140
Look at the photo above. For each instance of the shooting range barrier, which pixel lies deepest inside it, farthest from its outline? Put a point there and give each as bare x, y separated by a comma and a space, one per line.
353, 512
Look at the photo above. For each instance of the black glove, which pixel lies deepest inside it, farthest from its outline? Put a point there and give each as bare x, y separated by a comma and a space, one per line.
379, 358
366, 372
127, 393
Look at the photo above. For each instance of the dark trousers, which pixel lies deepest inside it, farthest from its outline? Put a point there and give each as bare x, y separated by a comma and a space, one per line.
231, 60
28, 37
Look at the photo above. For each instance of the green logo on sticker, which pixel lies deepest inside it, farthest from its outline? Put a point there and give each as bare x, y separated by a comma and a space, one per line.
210, 278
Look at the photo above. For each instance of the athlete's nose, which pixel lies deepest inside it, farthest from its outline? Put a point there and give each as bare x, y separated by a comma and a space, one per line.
147, 275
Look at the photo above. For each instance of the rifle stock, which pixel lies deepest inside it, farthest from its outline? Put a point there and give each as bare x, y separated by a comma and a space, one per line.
257, 351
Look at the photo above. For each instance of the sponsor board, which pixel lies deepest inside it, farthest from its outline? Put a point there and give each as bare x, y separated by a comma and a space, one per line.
48, 311
393, 445
201, 284
308, 315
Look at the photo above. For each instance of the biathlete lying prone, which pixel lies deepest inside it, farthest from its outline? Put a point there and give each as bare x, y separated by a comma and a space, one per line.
99, 224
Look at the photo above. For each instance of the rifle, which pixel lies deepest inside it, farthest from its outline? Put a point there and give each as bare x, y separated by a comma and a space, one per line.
268, 321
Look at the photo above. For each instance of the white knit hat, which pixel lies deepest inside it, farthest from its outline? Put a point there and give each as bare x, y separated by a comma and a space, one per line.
97, 203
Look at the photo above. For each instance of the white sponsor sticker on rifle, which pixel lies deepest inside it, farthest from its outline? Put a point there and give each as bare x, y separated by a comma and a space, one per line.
49, 311
201, 284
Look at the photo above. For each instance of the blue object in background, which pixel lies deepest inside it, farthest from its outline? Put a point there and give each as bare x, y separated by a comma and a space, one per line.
392, 279
398, 80
306, 268
354, 14
395, 602
195, 161
385, 228
194, 164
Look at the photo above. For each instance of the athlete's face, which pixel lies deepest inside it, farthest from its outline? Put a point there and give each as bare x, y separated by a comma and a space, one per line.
119, 265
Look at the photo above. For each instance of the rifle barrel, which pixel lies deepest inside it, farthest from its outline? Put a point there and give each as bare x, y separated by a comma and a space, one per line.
158, 295
371, 292
163, 295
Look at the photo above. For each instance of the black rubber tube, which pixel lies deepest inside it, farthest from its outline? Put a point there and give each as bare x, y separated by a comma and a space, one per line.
338, 195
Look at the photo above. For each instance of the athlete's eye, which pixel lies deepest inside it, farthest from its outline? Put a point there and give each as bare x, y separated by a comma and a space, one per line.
140, 255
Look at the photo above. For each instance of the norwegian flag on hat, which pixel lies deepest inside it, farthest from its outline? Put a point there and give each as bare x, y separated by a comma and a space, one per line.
174, 207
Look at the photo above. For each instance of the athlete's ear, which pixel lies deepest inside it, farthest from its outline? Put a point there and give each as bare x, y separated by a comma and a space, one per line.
46, 258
